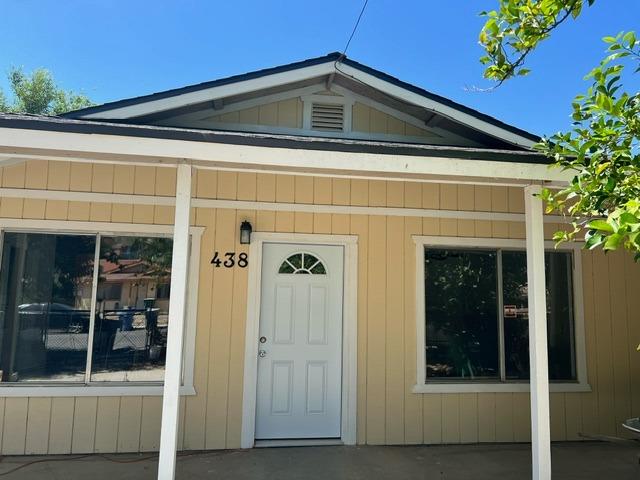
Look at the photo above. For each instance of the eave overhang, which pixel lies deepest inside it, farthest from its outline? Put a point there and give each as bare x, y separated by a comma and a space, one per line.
27, 136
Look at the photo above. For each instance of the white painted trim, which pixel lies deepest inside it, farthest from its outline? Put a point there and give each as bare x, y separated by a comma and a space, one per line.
61, 157
580, 385
75, 196
349, 339
105, 228
270, 206
306, 119
94, 306
481, 242
496, 387
421, 325
443, 137
202, 115
91, 390
336, 99
176, 331
307, 131
538, 351
124, 149
116, 388
313, 442
432, 105
230, 89
369, 102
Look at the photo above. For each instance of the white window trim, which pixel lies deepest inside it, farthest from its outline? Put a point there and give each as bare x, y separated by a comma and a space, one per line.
116, 389
580, 385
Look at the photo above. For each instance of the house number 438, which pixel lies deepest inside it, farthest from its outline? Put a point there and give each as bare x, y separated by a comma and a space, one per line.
228, 260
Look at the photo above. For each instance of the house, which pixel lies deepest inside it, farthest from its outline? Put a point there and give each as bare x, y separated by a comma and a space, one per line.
351, 259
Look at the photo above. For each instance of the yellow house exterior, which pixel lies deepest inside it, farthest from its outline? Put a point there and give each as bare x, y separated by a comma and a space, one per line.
385, 212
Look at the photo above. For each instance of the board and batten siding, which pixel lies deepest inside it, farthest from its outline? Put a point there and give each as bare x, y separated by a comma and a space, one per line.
388, 412
288, 114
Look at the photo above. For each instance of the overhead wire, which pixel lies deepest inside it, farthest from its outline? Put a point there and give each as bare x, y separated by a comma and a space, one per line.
353, 32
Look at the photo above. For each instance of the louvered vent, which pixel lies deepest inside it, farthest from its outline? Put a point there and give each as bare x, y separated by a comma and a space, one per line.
327, 116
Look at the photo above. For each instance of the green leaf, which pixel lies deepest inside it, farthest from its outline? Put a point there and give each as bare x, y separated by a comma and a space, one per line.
593, 241
601, 225
629, 38
613, 241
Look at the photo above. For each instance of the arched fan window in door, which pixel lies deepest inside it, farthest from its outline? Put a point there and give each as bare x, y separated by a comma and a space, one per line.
303, 263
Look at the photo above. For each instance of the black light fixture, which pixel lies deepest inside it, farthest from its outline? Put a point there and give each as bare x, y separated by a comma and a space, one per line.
245, 233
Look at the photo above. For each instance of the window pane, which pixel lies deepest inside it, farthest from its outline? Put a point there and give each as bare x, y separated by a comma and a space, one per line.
559, 315
131, 331
461, 314
45, 298
516, 314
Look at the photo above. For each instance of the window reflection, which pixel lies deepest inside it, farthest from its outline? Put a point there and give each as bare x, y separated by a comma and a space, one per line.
132, 308
462, 314
45, 297
559, 315
461, 311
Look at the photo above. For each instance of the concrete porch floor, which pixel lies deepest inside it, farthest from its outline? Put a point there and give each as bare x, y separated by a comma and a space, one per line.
582, 461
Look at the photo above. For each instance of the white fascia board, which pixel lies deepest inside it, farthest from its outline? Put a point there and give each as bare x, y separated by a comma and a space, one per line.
125, 149
207, 94
452, 113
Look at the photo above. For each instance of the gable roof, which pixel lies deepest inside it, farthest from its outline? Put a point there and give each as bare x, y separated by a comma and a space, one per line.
134, 110
174, 92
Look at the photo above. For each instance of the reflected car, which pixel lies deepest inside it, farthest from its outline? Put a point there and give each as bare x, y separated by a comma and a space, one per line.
53, 316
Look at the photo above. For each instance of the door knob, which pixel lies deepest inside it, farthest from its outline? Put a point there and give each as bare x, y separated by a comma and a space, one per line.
262, 353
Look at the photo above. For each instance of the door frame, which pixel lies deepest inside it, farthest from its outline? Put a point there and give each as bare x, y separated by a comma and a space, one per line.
349, 329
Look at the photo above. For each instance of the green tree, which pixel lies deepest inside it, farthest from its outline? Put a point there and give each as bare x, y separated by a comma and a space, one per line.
602, 147
38, 93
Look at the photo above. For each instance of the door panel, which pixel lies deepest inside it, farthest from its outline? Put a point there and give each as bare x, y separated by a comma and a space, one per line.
299, 391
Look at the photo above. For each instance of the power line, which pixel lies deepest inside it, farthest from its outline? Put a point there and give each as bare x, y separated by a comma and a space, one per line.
353, 32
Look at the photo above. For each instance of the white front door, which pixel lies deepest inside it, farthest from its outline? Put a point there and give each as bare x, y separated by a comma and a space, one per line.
300, 346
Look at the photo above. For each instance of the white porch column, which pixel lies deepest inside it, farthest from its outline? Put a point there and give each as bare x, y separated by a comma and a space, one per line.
540, 429
175, 334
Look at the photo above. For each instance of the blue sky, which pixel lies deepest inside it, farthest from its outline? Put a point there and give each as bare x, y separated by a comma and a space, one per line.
113, 49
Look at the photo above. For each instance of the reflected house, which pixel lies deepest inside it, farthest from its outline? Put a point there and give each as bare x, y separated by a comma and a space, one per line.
131, 320
128, 282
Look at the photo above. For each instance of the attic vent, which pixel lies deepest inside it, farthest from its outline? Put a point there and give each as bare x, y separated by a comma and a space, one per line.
328, 117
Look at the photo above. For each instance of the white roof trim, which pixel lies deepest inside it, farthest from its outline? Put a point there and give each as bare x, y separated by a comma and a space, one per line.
452, 113
127, 149
208, 94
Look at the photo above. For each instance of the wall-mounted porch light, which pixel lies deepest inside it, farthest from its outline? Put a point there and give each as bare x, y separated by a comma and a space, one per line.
245, 233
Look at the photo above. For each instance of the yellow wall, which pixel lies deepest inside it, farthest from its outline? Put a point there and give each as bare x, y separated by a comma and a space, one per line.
285, 113
387, 410
370, 120
288, 113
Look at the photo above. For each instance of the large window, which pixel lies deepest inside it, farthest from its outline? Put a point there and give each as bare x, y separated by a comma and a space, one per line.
477, 316
65, 317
